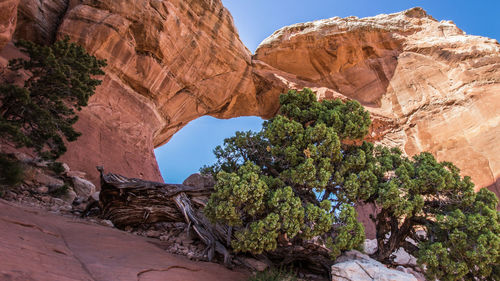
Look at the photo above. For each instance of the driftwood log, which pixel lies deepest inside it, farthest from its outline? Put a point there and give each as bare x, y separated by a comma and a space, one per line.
133, 202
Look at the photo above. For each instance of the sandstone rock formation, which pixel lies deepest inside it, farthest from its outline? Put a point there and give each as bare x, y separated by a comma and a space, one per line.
429, 86
38, 20
8, 19
169, 62
354, 266
37, 245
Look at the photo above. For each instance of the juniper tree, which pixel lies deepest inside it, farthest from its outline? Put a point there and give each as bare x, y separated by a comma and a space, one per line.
300, 176
280, 186
41, 114
428, 209
464, 244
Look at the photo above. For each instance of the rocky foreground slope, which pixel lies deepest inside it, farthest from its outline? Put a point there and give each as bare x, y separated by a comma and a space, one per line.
429, 86
37, 245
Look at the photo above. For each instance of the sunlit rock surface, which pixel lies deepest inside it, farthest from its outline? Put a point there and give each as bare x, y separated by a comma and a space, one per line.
8, 19
42, 246
429, 86
169, 62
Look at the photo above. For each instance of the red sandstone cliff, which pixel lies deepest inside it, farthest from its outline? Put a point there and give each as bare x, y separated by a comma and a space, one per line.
429, 86
169, 62
8, 19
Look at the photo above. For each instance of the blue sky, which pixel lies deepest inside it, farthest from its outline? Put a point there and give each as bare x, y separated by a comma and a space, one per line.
255, 20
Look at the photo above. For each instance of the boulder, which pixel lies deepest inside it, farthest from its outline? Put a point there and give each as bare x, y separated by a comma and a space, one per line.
417, 274
355, 266
400, 256
79, 174
69, 196
153, 233
255, 264
42, 189
95, 196
83, 187
39, 176
66, 168
370, 246
107, 223
199, 180
23, 157
404, 258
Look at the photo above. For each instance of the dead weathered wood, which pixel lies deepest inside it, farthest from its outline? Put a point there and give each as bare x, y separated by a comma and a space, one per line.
209, 233
133, 202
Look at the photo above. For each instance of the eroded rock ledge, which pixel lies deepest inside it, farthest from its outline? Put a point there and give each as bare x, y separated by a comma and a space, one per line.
429, 86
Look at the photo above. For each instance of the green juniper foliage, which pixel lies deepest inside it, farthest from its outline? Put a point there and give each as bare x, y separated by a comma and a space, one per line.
300, 176
455, 231
60, 191
464, 244
41, 114
11, 170
57, 167
281, 185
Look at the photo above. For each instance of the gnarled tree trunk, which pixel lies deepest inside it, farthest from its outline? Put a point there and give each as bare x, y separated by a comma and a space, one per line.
133, 202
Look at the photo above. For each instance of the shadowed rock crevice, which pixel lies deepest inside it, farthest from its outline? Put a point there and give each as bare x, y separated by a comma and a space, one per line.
38, 21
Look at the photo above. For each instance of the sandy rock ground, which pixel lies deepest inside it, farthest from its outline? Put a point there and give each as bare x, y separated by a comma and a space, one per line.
39, 245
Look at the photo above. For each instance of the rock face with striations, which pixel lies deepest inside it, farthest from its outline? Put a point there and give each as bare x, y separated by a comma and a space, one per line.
428, 86
169, 62
8, 19
38, 20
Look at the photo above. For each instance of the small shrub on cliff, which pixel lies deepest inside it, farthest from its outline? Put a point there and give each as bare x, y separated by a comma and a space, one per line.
58, 192
56, 167
11, 170
41, 114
